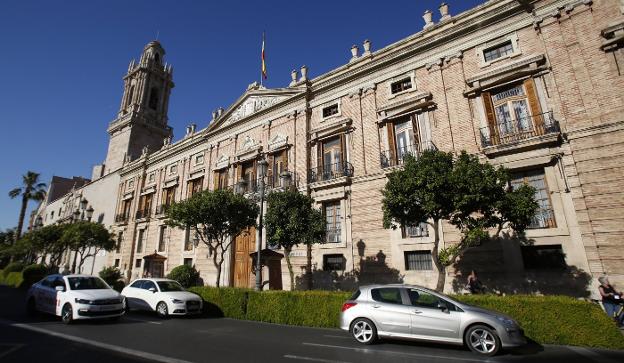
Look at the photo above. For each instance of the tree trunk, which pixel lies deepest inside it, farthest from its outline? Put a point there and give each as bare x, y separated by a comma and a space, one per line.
217, 266
290, 269
20, 221
309, 267
436, 260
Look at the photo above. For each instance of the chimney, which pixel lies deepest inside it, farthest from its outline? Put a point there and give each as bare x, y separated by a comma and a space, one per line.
219, 111
444, 12
367, 47
354, 53
214, 114
304, 74
427, 17
293, 76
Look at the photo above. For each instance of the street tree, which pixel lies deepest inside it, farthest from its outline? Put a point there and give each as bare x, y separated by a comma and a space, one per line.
292, 220
31, 189
86, 239
475, 197
216, 217
42, 242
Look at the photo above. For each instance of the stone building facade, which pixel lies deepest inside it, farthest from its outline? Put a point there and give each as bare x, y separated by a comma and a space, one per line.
535, 86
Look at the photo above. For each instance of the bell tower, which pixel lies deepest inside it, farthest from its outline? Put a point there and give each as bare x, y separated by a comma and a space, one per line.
142, 118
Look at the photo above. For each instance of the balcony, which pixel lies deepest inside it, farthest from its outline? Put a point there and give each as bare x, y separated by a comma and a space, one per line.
162, 209
330, 172
121, 218
522, 132
245, 186
140, 214
543, 218
390, 158
333, 235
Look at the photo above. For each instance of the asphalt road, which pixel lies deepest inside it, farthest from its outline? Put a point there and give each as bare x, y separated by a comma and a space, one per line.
143, 337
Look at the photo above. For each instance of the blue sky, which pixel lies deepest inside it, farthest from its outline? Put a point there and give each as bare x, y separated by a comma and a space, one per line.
61, 64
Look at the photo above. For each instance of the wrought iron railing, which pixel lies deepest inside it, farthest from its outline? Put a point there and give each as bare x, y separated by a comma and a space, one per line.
333, 235
142, 213
511, 131
162, 209
543, 218
245, 185
121, 218
396, 157
331, 171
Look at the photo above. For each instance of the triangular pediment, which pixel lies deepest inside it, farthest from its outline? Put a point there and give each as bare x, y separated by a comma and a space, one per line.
253, 101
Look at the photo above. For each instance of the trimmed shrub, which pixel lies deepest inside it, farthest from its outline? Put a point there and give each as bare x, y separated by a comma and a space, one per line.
555, 319
33, 273
118, 285
305, 308
226, 302
13, 279
16, 266
186, 275
110, 274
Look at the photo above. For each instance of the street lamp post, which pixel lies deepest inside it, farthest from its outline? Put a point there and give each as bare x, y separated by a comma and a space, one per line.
262, 165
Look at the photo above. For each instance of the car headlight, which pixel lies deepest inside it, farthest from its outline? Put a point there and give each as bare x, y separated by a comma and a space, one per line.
83, 301
177, 301
507, 322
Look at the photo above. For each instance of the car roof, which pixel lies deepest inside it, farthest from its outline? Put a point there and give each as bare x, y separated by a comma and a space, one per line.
156, 279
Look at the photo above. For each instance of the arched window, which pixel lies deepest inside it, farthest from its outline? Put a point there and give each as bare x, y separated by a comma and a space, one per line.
130, 96
153, 100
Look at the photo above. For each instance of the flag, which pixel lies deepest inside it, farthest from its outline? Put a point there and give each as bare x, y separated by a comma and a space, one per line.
264, 71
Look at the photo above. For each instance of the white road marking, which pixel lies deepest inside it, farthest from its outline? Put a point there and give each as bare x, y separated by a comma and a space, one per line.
13, 348
142, 320
115, 348
394, 352
592, 355
311, 359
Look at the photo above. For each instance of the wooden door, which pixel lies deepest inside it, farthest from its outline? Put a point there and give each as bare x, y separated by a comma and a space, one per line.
244, 244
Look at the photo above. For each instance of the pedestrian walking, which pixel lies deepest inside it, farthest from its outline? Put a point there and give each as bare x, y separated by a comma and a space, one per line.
611, 300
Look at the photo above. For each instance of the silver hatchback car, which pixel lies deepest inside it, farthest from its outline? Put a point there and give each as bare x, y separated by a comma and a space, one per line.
414, 312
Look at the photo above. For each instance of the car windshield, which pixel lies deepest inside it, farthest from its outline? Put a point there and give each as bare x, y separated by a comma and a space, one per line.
86, 283
169, 286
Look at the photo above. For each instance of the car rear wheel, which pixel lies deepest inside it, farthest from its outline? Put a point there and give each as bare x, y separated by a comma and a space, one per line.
67, 314
364, 331
31, 307
482, 340
162, 310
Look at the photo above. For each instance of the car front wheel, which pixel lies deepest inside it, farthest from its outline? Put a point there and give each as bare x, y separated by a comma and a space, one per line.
67, 314
162, 310
364, 331
483, 340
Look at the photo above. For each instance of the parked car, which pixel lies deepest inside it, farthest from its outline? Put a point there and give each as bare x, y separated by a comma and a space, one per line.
414, 312
165, 297
74, 297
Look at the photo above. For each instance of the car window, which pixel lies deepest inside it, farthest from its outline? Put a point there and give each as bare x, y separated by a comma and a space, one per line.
355, 295
47, 282
137, 284
58, 281
170, 286
86, 283
423, 299
147, 284
391, 295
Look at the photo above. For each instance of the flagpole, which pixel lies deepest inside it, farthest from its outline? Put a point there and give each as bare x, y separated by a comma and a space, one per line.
262, 60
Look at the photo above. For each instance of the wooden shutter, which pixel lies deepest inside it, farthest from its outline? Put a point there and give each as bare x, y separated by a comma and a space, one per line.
319, 163
343, 149
284, 160
391, 143
215, 180
534, 106
416, 132
491, 117
269, 172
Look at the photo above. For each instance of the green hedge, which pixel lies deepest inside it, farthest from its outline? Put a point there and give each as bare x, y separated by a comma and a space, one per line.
13, 279
545, 319
555, 319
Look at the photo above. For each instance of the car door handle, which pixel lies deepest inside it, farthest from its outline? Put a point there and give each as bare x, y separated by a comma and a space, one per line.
417, 312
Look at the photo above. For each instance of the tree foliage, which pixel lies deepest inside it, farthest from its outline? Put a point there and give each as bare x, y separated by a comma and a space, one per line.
216, 217
474, 197
41, 242
31, 189
186, 275
86, 239
291, 220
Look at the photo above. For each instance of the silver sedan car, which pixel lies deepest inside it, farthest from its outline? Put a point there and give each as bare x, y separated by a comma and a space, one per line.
414, 312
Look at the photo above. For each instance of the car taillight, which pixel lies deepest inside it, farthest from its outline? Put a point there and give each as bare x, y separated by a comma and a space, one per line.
348, 305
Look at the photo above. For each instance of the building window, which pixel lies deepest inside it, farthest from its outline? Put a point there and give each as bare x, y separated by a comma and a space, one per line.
401, 142
52, 215
220, 179
168, 198
137, 262
119, 241
173, 169
188, 261
331, 159
116, 263
145, 206
401, 85
498, 51
547, 257
278, 163
330, 110
139, 246
188, 242
195, 186
333, 262
418, 230
199, 159
151, 178
544, 216
333, 221
161, 238
418, 261
247, 176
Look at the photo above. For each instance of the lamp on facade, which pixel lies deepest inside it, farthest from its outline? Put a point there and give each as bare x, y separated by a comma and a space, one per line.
83, 203
89, 212
262, 169
286, 177
76, 214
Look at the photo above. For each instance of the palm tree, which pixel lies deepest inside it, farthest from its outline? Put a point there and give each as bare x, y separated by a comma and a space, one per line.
32, 189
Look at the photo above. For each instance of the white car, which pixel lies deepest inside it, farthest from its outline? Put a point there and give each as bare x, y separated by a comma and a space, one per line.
74, 297
166, 297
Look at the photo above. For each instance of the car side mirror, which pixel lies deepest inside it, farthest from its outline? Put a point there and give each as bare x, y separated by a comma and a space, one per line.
60, 288
152, 289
